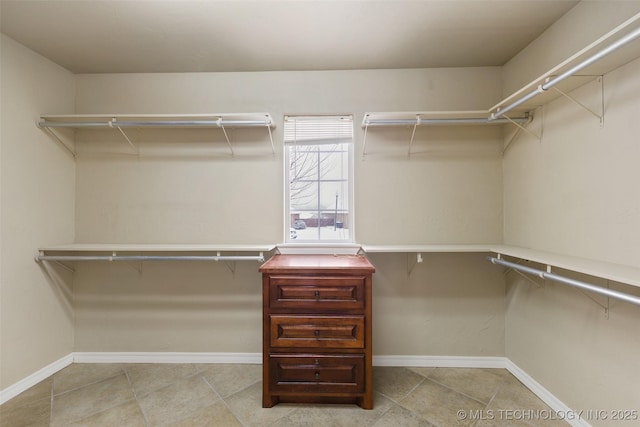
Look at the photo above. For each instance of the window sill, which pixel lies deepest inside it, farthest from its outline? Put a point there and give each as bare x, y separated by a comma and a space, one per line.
318, 248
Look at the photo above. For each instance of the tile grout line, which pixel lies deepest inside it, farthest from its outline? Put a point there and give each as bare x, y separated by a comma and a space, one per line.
460, 392
104, 409
51, 403
490, 400
412, 390
397, 402
385, 412
135, 398
426, 378
243, 389
224, 402
149, 392
85, 385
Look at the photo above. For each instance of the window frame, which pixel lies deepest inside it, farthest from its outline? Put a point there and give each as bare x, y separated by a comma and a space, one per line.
349, 152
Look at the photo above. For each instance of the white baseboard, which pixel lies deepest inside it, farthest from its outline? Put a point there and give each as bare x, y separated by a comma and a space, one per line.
166, 357
256, 358
441, 361
569, 415
33, 379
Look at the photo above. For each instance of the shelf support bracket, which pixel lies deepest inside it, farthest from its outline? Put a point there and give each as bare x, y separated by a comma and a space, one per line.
60, 141
66, 267
413, 134
524, 276
231, 265
514, 137
113, 124
538, 137
605, 307
45, 265
584, 107
226, 136
64, 288
521, 274
137, 266
410, 265
273, 147
364, 140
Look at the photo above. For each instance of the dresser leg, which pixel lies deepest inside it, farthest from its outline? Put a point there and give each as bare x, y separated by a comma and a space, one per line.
365, 402
269, 401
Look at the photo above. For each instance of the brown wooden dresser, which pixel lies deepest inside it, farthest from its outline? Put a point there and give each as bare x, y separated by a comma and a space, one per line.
317, 329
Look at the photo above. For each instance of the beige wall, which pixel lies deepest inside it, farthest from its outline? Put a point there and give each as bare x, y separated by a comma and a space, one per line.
168, 306
577, 192
38, 186
196, 193
448, 305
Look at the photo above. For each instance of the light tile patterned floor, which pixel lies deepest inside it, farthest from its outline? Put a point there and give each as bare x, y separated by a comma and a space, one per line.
230, 395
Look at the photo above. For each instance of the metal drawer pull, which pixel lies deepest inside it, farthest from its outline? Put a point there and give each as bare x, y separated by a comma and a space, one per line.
316, 361
316, 332
317, 375
316, 294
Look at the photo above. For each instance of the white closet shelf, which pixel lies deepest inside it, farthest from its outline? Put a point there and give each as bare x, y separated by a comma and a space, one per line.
611, 271
470, 248
612, 50
432, 118
626, 274
108, 247
151, 252
124, 122
157, 120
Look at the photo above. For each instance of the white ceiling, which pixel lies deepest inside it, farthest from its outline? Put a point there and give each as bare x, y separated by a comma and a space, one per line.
116, 36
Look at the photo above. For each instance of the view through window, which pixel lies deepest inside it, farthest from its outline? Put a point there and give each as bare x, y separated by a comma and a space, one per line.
318, 152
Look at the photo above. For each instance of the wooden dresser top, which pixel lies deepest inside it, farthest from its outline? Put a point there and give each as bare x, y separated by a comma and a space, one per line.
324, 263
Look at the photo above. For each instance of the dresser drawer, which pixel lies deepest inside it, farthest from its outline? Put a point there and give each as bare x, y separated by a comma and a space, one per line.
317, 331
317, 373
317, 293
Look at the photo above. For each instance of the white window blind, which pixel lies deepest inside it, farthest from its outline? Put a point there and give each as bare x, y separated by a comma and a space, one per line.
318, 129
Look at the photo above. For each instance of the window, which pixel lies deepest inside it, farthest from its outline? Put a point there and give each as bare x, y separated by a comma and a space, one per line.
318, 159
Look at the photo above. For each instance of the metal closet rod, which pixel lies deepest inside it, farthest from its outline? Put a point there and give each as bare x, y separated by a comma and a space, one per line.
419, 121
557, 79
153, 123
567, 281
62, 258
